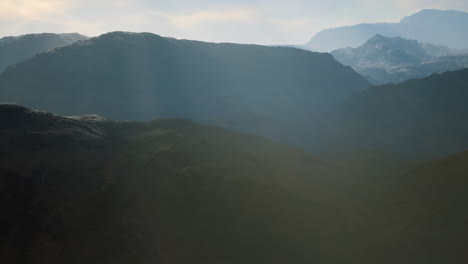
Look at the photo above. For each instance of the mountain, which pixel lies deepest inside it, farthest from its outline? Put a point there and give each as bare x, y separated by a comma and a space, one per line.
380, 50
393, 60
90, 190
447, 28
142, 76
17, 49
419, 118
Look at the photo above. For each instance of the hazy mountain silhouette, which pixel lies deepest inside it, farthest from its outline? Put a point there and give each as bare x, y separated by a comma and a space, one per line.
420, 117
447, 28
144, 76
20, 48
393, 60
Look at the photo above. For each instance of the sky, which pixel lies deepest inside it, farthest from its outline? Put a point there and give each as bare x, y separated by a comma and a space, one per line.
268, 22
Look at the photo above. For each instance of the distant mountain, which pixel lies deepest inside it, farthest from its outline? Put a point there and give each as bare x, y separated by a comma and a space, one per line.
447, 28
17, 49
91, 190
419, 118
267, 90
439, 51
393, 60
380, 50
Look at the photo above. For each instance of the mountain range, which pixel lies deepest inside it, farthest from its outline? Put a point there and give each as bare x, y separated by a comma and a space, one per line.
293, 96
16, 49
447, 28
141, 76
392, 60
163, 151
132, 148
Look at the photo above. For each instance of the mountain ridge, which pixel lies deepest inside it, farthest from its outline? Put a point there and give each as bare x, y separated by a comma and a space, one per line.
14, 49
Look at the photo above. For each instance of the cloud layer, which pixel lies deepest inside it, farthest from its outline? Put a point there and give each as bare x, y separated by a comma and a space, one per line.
243, 21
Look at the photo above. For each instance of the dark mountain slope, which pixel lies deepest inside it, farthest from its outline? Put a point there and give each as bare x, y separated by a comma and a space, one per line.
422, 216
88, 190
143, 76
421, 117
393, 60
447, 28
17, 49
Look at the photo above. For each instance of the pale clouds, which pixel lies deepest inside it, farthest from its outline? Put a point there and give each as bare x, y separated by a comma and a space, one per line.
33, 10
196, 19
243, 21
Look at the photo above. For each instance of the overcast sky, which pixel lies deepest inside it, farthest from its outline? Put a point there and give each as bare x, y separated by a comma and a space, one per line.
241, 21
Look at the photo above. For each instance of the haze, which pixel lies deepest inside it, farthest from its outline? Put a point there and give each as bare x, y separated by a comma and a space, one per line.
257, 21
